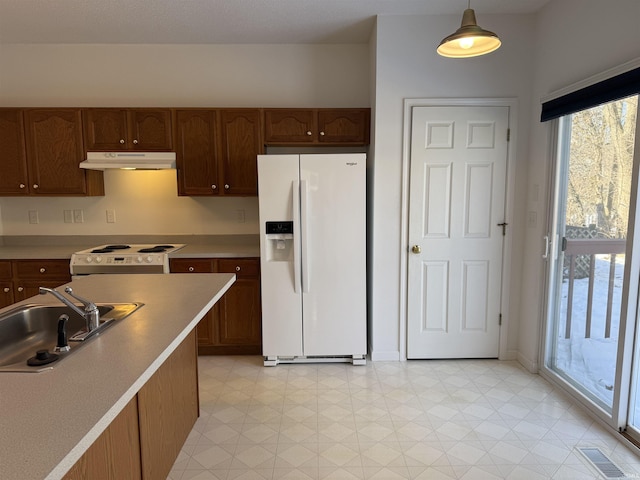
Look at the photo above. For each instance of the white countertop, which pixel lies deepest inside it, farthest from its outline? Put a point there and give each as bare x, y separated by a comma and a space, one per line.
207, 248
49, 419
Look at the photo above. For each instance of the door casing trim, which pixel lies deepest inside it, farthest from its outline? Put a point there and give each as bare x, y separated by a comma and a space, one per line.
409, 103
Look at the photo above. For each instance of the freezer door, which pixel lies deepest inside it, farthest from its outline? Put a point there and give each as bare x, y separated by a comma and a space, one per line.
333, 224
278, 186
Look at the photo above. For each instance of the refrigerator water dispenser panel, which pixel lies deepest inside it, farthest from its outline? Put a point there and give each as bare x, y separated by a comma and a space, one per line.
279, 236
282, 228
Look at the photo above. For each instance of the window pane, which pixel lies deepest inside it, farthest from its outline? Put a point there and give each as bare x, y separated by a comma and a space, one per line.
593, 213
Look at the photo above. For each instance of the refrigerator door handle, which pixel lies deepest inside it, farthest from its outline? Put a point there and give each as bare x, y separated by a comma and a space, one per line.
304, 231
295, 211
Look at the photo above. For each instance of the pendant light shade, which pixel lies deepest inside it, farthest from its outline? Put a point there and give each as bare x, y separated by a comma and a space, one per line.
469, 40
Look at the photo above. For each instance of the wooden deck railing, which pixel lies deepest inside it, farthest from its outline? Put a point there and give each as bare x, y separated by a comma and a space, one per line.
591, 247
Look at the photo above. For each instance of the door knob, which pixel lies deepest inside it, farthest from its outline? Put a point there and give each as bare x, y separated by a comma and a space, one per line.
416, 249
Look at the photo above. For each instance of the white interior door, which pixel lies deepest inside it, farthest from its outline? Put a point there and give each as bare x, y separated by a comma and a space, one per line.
456, 205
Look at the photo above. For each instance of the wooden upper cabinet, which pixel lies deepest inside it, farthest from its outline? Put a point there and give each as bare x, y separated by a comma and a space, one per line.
290, 125
54, 151
14, 178
114, 129
197, 152
324, 126
343, 126
241, 142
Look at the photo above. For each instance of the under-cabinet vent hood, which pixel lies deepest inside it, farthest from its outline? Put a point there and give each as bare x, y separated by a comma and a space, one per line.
129, 160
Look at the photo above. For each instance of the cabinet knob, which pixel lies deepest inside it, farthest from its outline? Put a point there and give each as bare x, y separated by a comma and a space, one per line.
309, 133
192, 269
135, 142
6, 289
21, 289
237, 269
322, 134
416, 249
214, 187
35, 185
226, 186
42, 270
22, 185
122, 141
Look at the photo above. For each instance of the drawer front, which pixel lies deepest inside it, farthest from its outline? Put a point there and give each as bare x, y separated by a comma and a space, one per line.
5, 270
191, 265
241, 267
42, 269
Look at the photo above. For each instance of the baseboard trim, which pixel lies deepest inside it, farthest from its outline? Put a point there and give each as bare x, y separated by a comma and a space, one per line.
390, 356
530, 365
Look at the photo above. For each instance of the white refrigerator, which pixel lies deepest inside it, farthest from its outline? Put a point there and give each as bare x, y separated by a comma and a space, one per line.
313, 257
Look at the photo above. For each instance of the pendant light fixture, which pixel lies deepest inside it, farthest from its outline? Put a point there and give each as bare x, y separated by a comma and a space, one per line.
469, 40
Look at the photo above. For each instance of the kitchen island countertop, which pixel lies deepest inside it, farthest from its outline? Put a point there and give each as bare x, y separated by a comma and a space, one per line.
50, 419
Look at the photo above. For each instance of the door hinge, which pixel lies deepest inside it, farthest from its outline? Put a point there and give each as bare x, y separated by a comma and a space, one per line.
508, 134
499, 319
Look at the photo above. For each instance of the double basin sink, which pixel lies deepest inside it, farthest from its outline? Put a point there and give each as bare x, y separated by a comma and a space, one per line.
29, 334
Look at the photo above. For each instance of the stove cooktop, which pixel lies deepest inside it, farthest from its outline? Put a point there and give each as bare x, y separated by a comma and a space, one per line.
123, 258
118, 249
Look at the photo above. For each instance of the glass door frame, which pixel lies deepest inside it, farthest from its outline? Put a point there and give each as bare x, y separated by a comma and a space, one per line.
618, 417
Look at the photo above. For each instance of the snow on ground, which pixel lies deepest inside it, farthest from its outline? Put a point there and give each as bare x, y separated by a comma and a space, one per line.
591, 361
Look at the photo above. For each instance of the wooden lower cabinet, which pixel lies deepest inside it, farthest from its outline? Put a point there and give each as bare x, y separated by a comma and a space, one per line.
234, 325
144, 440
116, 453
21, 279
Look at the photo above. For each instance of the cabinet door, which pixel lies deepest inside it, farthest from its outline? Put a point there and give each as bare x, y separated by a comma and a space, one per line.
239, 321
6, 286
241, 144
13, 157
150, 129
344, 126
198, 265
54, 151
105, 129
197, 152
284, 126
6, 293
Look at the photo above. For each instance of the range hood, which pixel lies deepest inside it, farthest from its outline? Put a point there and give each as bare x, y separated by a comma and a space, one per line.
129, 160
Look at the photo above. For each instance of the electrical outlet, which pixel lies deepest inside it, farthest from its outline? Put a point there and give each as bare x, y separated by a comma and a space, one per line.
68, 216
532, 219
111, 216
78, 216
33, 216
240, 215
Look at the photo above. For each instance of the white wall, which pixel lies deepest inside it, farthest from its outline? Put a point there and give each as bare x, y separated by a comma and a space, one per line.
170, 76
574, 40
408, 67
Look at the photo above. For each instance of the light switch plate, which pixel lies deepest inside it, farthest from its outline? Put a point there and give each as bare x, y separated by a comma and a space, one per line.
33, 216
111, 216
78, 216
68, 216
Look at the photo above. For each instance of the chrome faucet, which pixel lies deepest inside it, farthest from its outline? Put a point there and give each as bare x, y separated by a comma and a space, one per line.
90, 312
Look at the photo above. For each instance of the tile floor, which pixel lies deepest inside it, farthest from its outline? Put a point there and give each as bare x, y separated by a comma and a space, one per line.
458, 419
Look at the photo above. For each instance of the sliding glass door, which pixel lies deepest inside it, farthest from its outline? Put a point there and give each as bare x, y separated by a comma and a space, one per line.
589, 267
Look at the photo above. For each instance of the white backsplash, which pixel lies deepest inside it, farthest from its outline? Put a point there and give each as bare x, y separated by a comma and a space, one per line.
144, 202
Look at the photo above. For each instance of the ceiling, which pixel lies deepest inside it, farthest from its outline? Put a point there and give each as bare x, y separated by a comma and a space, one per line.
221, 21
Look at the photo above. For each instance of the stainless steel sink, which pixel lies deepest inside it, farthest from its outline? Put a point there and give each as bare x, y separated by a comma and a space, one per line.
28, 329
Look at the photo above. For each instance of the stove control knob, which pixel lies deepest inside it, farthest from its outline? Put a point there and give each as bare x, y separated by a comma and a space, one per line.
98, 259
149, 259
139, 259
